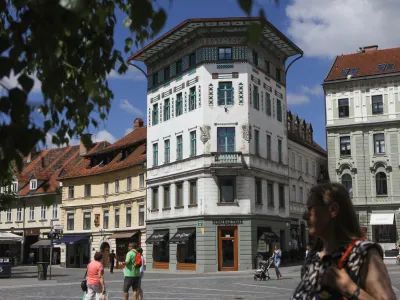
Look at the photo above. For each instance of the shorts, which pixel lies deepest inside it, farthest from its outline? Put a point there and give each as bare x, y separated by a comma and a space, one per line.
133, 282
140, 280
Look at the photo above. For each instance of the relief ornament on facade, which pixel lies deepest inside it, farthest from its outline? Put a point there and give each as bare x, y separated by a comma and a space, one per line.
246, 131
205, 133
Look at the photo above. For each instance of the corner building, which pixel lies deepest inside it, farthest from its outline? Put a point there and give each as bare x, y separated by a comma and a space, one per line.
217, 173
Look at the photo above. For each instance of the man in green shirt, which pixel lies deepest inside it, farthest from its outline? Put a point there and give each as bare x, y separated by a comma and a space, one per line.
131, 273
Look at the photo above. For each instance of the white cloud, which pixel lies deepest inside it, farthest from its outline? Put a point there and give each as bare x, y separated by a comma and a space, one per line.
12, 82
128, 131
295, 99
102, 135
131, 74
315, 90
125, 105
326, 28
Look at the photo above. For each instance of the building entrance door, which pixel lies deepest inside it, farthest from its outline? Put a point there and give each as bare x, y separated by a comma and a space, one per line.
227, 249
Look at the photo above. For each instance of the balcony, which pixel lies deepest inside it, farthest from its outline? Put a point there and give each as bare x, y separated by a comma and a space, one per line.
227, 159
297, 208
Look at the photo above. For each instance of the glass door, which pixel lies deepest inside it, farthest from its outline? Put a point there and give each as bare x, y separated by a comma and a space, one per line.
227, 249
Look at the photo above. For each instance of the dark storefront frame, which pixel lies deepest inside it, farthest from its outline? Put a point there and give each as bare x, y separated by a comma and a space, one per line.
160, 241
122, 240
185, 238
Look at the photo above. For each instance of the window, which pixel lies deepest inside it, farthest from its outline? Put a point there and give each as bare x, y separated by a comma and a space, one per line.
268, 146
225, 53
225, 93
281, 196
293, 160
301, 195
379, 143
19, 214
70, 221
343, 108
166, 151
278, 75
179, 194
193, 143
166, 110
377, 105
161, 250
117, 185
179, 147
300, 163
307, 166
129, 216
389, 67
14, 187
141, 215
141, 180
226, 139
106, 218
106, 188
192, 98
270, 193
178, 67
267, 67
345, 147
294, 193
116, 218
54, 215
192, 60
154, 198
380, 67
166, 73
179, 105
268, 106
347, 182
279, 110
187, 252
256, 142
9, 216
353, 72
193, 192
280, 151
255, 58
155, 78
256, 98
258, 191
31, 213
86, 220
167, 198
155, 114
87, 190
344, 72
155, 154
381, 183
33, 184
314, 171
226, 189
128, 183
43, 210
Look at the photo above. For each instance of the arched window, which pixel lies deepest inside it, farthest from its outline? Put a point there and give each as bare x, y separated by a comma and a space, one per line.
347, 182
381, 183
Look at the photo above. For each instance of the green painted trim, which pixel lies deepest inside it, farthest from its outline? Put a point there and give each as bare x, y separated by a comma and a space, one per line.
167, 84
179, 78
154, 91
192, 72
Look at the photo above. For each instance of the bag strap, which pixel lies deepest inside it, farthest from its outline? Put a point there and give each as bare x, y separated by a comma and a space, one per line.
347, 252
84, 277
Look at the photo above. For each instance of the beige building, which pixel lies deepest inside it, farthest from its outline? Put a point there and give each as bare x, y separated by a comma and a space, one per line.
103, 200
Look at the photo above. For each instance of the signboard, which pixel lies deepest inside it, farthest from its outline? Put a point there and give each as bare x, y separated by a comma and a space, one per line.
199, 223
32, 232
227, 222
58, 227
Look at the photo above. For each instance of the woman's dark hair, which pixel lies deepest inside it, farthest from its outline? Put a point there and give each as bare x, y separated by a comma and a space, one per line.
98, 256
140, 251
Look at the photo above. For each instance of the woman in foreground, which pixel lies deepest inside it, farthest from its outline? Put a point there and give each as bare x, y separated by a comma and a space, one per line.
346, 266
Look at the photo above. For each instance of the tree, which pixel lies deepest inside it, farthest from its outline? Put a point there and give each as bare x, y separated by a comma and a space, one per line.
69, 46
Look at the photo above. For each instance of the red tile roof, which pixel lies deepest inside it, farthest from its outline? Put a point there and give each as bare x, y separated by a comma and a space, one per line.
366, 63
314, 146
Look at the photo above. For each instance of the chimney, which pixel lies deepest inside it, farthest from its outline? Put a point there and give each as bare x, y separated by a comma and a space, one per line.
31, 155
368, 48
82, 148
138, 123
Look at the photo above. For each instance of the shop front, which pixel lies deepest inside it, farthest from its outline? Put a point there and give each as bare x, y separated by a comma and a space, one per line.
77, 247
31, 237
122, 240
185, 239
160, 242
384, 230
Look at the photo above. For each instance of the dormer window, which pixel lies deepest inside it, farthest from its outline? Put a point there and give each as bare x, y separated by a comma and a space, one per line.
33, 184
380, 67
14, 187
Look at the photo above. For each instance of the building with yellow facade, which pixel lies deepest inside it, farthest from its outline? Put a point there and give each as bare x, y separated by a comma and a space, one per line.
103, 200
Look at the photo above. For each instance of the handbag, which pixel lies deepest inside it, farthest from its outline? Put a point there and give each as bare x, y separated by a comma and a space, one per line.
84, 283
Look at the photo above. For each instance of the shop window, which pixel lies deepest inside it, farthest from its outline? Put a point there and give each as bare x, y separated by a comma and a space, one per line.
384, 233
161, 251
187, 252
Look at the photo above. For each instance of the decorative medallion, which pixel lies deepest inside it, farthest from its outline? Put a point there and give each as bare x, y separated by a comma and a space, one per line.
205, 133
246, 132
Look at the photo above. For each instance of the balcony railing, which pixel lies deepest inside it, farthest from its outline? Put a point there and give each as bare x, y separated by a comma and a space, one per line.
227, 158
297, 208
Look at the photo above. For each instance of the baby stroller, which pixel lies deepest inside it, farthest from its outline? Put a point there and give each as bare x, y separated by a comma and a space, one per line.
262, 272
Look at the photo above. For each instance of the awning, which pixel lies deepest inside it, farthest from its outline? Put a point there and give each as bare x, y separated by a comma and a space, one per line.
10, 238
157, 237
382, 219
268, 234
72, 239
182, 236
123, 235
42, 244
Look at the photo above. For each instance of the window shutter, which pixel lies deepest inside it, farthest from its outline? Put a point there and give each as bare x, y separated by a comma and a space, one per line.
233, 96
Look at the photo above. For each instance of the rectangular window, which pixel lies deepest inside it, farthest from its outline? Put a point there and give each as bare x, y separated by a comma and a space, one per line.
154, 198
278, 75
128, 183
193, 143
300, 163
55, 212
345, 147
9, 216
377, 105
166, 151
86, 220
193, 192
106, 218
267, 67
71, 192
14, 187
225, 53
192, 60
179, 105
256, 142
268, 105
256, 98
128, 216
155, 78
226, 139
155, 114
141, 180
167, 198
70, 221
117, 185
19, 214
179, 194
294, 193
106, 188
280, 151
379, 143
192, 98
31, 213
166, 73
227, 192
268, 146
116, 218
178, 67
88, 190
307, 166
301, 195
281, 196
225, 93
258, 191
155, 154
179, 147
343, 108
255, 58
314, 169
141, 215
293, 160
270, 194
43, 210
167, 110
279, 110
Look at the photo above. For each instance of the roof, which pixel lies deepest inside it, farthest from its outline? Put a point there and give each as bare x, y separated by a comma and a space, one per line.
366, 63
314, 146
269, 31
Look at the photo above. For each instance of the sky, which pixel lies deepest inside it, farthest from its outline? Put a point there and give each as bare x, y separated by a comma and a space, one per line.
321, 28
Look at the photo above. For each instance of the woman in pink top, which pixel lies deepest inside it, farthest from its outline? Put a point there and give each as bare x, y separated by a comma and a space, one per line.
95, 277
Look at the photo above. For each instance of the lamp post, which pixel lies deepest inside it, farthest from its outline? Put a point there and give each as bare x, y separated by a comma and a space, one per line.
51, 246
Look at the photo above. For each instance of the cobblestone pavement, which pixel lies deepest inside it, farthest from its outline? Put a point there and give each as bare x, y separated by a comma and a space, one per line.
65, 284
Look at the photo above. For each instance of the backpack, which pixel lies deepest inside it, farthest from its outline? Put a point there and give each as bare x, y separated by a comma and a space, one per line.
138, 260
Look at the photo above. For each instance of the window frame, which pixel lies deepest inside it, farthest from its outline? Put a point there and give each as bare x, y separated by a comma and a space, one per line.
225, 54
344, 110
347, 146
154, 200
220, 181
179, 197
33, 184
167, 109
43, 212
193, 200
155, 154
192, 98
255, 58
179, 67
128, 216
193, 143
155, 114
346, 182
31, 213
256, 97
256, 142
280, 151
141, 180
167, 151
278, 75
117, 217
179, 105
279, 112
70, 225
19, 214
379, 143
166, 196
85, 225
106, 218
129, 183
106, 190
281, 194
141, 210
116, 186
268, 104
270, 194
167, 73
258, 191
87, 190
179, 147
269, 146
376, 108
192, 60
383, 182
226, 87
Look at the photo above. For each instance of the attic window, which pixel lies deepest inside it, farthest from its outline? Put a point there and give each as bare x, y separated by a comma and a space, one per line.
353, 72
380, 67
390, 67
33, 184
344, 72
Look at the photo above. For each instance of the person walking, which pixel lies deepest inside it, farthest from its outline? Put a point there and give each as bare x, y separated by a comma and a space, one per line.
31, 258
342, 264
95, 277
141, 274
112, 261
277, 260
131, 272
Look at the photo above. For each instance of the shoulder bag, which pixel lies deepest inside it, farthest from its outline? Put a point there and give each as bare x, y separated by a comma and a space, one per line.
84, 282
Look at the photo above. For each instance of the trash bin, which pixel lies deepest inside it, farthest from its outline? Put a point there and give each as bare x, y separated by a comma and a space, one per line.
5, 267
42, 270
